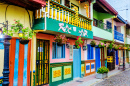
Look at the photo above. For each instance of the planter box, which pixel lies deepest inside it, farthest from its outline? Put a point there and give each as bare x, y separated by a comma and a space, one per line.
101, 76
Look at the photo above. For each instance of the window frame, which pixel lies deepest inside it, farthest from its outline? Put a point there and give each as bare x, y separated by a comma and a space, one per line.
55, 56
90, 53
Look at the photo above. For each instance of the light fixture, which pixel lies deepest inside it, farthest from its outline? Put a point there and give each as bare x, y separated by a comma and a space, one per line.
20, 34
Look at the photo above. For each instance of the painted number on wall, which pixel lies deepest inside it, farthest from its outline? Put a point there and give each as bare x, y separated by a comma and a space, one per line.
67, 71
56, 73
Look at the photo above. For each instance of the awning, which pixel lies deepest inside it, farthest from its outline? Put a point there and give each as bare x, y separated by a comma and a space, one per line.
120, 18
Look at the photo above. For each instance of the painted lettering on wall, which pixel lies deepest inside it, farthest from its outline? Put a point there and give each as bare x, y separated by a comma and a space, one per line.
56, 73
67, 71
68, 29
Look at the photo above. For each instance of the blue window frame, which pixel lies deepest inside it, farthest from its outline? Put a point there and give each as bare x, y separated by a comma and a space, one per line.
109, 25
115, 28
90, 52
58, 52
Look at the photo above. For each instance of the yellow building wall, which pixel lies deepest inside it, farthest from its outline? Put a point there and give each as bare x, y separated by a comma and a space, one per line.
13, 12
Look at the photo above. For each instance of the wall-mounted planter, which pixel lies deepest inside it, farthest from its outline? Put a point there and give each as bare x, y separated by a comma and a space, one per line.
22, 41
101, 76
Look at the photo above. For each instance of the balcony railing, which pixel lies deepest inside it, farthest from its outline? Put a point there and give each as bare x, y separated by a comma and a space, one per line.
64, 14
102, 25
118, 36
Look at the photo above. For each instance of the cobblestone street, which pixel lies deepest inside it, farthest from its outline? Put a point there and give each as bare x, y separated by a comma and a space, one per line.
121, 79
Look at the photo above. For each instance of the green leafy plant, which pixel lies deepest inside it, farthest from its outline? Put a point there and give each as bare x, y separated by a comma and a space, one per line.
101, 44
61, 39
16, 27
111, 45
93, 43
103, 70
79, 42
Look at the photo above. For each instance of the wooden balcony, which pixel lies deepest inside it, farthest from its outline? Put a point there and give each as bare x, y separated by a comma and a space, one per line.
64, 14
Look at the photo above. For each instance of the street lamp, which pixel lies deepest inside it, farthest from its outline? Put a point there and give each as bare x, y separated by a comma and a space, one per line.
6, 56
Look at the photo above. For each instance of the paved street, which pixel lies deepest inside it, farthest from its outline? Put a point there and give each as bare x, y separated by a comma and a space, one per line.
121, 79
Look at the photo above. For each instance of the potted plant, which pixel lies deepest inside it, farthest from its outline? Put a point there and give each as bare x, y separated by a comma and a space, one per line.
60, 39
93, 43
102, 73
116, 47
78, 42
101, 45
18, 29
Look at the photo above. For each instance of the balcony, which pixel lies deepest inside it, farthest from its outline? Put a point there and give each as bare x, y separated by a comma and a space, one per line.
118, 36
58, 18
102, 30
101, 25
127, 39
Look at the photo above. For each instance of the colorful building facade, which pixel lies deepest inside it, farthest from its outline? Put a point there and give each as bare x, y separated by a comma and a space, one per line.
43, 61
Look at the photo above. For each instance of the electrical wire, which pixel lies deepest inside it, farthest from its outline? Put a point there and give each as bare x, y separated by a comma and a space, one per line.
6, 11
29, 17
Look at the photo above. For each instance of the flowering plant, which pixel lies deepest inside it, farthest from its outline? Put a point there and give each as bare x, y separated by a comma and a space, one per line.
93, 43
16, 27
116, 47
103, 70
101, 44
61, 39
121, 47
79, 42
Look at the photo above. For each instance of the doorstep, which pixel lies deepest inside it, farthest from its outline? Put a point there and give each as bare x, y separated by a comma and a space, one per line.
89, 80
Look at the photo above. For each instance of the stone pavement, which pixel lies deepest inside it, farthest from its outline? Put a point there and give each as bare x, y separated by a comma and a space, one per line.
121, 79
91, 80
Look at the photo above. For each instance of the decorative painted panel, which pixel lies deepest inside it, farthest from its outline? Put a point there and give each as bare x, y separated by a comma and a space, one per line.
88, 68
82, 69
56, 74
67, 72
92, 67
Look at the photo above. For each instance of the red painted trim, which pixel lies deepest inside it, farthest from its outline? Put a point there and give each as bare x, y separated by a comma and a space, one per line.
108, 6
21, 65
43, 3
11, 60
28, 63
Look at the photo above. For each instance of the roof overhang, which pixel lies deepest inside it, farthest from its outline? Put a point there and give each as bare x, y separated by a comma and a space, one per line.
28, 4
118, 18
106, 5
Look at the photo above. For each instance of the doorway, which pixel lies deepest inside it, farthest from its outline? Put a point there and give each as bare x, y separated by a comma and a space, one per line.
102, 57
97, 55
76, 62
42, 62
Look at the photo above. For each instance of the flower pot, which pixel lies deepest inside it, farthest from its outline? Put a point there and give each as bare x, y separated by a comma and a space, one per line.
22, 41
101, 76
92, 45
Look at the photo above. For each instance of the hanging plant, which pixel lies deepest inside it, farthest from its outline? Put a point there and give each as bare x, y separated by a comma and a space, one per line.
111, 45
121, 47
93, 43
116, 47
18, 28
101, 44
60, 39
78, 42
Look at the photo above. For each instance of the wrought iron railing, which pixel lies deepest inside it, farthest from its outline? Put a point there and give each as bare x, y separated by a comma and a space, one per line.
118, 36
100, 24
64, 14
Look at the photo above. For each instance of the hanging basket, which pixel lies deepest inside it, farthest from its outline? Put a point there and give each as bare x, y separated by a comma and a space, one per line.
22, 41
60, 44
92, 45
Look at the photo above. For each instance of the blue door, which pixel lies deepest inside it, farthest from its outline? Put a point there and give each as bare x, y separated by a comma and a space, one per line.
76, 63
97, 56
116, 57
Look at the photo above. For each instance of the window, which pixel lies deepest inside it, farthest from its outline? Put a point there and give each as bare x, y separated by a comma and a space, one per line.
115, 28
109, 25
59, 1
58, 51
90, 52
67, 3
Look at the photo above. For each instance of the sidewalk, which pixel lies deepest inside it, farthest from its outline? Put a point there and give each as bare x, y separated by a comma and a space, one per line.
89, 80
